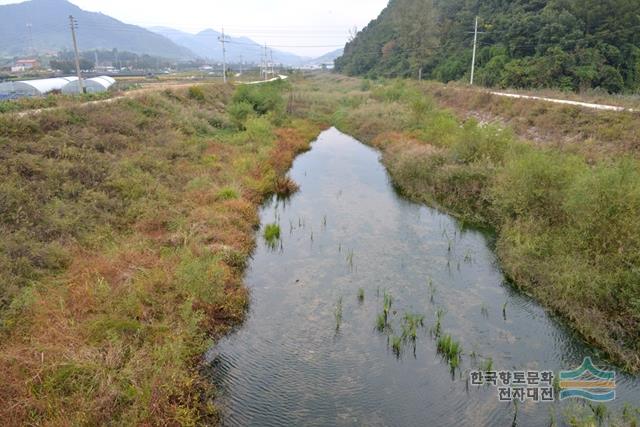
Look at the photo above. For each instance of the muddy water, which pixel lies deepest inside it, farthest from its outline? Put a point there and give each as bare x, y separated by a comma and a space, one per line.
348, 229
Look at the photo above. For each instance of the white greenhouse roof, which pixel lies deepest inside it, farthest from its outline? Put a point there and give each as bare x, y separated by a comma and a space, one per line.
44, 85
94, 84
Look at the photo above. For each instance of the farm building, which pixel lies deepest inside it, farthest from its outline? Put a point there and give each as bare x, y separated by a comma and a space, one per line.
27, 88
92, 85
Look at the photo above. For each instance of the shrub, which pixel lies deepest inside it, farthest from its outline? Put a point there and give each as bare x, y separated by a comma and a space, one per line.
533, 183
262, 98
196, 92
239, 113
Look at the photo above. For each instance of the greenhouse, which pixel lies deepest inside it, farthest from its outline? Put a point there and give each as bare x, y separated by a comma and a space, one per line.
26, 88
92, 85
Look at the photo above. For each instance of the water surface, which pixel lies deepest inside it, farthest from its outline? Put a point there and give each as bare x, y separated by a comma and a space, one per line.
348, 229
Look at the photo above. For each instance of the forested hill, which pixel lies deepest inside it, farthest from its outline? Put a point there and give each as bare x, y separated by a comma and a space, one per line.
568, 44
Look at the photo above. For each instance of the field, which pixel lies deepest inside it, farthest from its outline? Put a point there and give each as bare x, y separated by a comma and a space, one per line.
125, 228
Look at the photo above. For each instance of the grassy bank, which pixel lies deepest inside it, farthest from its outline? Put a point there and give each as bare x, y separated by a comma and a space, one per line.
568, 224
592, 133
125, 231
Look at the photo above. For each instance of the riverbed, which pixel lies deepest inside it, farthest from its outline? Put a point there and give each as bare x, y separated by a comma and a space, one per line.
309, 352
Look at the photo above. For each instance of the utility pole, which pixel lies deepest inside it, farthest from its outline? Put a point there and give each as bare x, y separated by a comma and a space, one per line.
420, 74
265, 63
273, 73
223, 40
74, 24
31, 48
473, 57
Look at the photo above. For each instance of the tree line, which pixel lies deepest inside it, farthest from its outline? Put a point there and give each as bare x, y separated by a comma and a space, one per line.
565, 44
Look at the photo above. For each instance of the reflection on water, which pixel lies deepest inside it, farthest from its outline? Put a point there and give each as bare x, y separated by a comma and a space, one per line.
348, 230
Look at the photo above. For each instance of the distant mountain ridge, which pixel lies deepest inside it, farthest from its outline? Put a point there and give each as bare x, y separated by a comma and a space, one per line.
49, 31
206, 45
327, 58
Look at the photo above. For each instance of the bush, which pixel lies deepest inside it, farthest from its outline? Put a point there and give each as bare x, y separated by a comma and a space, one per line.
239, 113
196, 92
533, 183
262, 98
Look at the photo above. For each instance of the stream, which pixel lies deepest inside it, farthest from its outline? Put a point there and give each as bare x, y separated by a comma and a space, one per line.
347, 238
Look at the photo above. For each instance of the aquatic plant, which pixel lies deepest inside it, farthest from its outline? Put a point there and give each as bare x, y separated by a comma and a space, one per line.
504, 310
361, 295
396, 345
386, 306
381, 323
432, 291
487, 365
350, 259
437, 327
450, 349
484, 310
271, 234
410, 325
338, 314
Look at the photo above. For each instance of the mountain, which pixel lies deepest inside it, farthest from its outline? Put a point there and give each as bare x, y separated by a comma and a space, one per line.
327, 58
205, 44
49, 31
567, 44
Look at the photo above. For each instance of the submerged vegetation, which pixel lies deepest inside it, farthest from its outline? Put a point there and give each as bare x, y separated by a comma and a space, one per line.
567, 221
338, 314
125, 230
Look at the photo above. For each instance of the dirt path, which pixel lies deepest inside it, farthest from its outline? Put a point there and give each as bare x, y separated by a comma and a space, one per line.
564, 101
153, 87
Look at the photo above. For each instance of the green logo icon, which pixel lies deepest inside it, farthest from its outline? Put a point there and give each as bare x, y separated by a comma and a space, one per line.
588, 382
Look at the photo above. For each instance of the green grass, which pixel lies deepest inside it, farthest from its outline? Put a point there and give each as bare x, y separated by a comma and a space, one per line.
450, 349
271, 234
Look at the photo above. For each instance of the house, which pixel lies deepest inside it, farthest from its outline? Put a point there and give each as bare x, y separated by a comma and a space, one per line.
24, 65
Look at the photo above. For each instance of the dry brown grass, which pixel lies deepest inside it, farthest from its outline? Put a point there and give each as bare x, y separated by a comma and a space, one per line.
117, 336
595, 134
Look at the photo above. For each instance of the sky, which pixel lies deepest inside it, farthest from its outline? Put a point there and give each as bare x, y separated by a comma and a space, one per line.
304, 27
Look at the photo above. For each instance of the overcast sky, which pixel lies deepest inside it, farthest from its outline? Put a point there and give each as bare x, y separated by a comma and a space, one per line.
285, 24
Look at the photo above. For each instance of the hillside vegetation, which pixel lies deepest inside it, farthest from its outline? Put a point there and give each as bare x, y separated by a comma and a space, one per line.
567, 44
